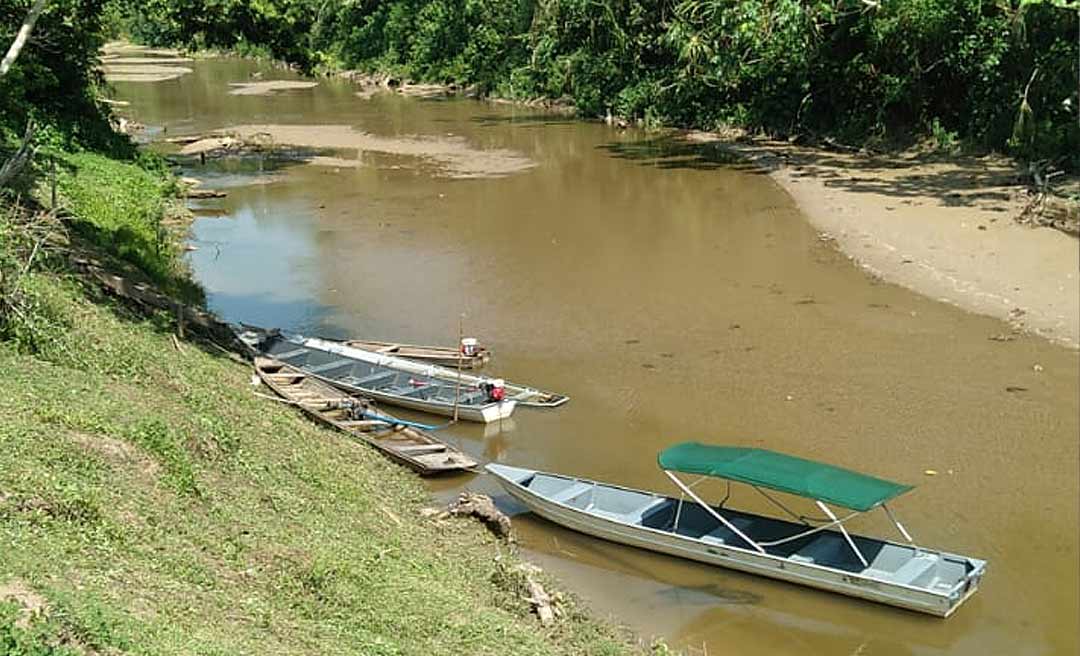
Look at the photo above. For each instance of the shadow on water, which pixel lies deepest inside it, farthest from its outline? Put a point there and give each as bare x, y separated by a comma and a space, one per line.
708, 595
962, 181
525, 120
671, 151
301, 315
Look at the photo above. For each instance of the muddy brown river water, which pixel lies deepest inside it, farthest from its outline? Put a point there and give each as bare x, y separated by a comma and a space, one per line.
673, 295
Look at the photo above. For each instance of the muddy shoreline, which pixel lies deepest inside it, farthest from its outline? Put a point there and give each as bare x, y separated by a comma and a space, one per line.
944, 228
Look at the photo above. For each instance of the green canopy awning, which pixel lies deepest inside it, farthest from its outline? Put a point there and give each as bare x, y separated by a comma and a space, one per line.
777, 471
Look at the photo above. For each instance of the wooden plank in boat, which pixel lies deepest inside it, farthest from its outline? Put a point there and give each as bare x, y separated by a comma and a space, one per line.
421, 448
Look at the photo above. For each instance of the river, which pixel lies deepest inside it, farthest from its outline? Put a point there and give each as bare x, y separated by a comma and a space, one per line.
673, 294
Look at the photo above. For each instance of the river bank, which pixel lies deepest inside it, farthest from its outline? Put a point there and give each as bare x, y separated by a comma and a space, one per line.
152, 501
945, 227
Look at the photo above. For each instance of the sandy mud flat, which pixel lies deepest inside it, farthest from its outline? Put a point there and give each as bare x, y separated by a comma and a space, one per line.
268, 87
129, 63
453, 156
945, 229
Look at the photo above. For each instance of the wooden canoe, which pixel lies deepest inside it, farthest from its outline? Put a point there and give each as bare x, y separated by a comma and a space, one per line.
441, 355
328, 405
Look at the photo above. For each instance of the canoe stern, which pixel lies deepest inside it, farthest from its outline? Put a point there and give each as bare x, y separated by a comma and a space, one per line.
498, 411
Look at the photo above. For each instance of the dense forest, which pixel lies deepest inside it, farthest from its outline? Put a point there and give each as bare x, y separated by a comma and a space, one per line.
999, 75
994, 74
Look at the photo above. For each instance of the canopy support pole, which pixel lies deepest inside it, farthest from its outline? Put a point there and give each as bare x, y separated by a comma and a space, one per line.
727, 495
715, 514
812, 531
678, 512
840, 525
802, 519
899, 526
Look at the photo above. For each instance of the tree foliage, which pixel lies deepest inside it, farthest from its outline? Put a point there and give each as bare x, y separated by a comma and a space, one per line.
53, 81
1000, 74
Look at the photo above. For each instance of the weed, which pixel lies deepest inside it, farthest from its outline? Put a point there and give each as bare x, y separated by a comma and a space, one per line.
945, 141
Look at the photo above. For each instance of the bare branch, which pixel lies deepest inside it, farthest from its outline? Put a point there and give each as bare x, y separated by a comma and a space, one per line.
16, 162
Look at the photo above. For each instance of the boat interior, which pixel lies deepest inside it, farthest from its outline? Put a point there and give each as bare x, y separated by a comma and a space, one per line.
405, 440
366, 376
895, 563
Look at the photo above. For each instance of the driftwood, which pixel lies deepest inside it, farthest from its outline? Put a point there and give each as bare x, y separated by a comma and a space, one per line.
185, 140
483, 508
545, 605
542, 603
204, 193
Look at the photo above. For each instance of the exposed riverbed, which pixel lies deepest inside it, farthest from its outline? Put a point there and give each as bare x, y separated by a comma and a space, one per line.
672, 297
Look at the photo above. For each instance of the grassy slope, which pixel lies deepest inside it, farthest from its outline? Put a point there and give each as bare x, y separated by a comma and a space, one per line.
159, 506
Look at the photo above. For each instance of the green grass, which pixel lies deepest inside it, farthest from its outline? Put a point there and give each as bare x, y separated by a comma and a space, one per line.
161, 507
128, 210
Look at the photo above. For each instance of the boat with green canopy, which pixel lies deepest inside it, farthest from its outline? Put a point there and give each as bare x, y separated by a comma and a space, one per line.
815, 550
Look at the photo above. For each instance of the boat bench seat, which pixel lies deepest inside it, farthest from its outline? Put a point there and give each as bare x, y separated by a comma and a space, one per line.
914, 568
724, 535
569, 493
420, 449
631, 516
407, 391
375, 379
821, 549
328, 366
289, 355
470, 399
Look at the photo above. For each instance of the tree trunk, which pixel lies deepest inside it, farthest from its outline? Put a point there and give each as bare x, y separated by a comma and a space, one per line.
24, 34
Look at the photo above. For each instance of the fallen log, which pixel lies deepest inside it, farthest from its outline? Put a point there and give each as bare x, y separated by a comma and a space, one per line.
204, 193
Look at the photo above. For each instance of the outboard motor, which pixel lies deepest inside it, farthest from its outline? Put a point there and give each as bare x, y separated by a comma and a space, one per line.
495, 389
355, 409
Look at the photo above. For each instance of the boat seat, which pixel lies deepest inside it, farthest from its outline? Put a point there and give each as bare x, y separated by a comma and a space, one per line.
632, 516
288, 355
569, 493
638, 515
470, 399
419, 449
375, 379
407, 390
724, 535
821, 549
334, 364
914, 568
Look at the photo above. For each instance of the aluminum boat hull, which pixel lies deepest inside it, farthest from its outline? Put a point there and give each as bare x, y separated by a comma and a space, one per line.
941, 603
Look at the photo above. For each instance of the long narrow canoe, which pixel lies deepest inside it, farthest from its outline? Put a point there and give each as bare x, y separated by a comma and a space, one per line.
522, 395
439, 355
326, 404
901, 575
386, 379
440, 385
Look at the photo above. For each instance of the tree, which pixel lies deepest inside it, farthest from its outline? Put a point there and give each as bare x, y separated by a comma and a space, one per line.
21, 38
